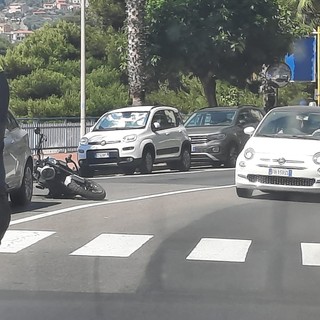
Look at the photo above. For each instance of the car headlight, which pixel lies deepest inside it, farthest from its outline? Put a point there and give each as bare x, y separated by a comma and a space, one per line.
316, 158
84, 141
218, 136
130, 138
249, 153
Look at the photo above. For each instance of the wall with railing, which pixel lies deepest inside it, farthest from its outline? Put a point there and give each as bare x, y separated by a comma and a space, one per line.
63, 134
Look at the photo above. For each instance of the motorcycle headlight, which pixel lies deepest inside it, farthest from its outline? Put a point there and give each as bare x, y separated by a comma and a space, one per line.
218, 136
130, 138
316, 158
249, 153
84, 141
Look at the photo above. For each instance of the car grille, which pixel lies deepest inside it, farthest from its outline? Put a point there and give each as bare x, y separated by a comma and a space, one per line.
284, 181
199, 139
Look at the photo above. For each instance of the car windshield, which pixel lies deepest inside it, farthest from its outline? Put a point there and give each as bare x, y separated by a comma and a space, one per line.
122, 120
289, 124
211, 118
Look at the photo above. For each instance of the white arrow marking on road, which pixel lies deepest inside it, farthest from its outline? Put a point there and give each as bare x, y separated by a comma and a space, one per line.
16, 240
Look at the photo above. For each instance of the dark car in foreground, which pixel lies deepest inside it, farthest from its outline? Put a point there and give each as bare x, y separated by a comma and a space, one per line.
217, 135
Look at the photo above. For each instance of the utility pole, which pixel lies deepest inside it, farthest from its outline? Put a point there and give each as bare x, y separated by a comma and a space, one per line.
318, 66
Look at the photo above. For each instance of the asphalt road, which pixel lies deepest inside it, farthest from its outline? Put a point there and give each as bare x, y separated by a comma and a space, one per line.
164, 246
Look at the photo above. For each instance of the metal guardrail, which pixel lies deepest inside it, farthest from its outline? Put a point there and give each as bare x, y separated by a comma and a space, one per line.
63, 134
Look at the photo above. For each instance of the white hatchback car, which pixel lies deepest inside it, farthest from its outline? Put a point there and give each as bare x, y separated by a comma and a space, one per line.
18, 162
283, 153
136, 137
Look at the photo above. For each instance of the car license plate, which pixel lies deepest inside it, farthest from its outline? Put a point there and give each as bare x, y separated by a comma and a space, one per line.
193, 148
280, 172
102, 155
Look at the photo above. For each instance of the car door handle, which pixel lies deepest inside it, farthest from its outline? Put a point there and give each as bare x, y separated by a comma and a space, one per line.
167, 133
12, 141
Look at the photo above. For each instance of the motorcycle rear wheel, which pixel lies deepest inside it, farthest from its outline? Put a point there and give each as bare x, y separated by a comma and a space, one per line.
89, 189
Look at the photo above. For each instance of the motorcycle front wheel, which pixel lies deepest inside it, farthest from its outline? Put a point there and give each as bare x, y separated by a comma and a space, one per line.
88, 189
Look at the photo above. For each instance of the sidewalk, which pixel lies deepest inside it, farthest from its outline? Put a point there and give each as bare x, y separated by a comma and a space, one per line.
62, 155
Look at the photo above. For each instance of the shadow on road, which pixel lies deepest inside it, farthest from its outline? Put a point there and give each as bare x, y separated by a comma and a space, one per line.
289, 196
33, 206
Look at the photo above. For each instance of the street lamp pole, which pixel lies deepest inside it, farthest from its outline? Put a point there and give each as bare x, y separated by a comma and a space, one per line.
318, 66
83, 71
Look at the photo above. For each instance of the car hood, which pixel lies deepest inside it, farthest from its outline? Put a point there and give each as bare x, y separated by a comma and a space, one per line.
111, 136
206, 130
283, 146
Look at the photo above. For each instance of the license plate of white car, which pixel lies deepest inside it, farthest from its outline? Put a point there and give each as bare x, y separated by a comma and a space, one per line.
102, 155
193, 148
280, 172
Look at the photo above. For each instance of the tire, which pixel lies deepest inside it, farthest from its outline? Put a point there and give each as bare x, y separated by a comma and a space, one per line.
128, 170
89, 190
244, 193
23, 195
184, 163
147, 162
232, 156
86, 172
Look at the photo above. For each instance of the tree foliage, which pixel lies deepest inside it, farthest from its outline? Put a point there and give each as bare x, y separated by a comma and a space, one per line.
223, 39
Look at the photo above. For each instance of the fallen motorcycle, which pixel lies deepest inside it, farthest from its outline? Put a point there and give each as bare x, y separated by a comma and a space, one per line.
60, 179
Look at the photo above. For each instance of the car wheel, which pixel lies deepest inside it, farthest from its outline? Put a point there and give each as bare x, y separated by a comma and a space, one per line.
244, 193
128, 170
185, 160
147, 162
86, 172
232, 156
23, 195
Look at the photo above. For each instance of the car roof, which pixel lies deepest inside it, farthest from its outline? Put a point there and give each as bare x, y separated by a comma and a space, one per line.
296, 108
227, 108
141, 108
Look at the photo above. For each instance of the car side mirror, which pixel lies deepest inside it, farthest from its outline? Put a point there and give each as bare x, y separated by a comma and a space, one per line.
249, 130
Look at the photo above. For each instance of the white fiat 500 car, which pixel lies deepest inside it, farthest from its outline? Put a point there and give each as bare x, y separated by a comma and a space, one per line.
282, 154
136, 137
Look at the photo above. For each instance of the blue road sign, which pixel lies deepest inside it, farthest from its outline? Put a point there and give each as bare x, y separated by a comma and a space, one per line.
302, 61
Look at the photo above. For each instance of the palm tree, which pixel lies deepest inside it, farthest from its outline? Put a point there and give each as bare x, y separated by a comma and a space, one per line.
136, 50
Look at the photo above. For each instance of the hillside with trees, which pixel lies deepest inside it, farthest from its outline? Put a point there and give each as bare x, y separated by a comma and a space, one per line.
199, 53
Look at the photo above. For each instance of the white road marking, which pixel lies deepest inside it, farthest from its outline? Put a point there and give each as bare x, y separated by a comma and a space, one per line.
310, 254
227, 250
113, 245
105, 203
16, 240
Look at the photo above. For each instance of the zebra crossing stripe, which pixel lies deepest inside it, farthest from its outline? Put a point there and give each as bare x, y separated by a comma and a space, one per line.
17, 240
310, 254
226, 250
113, 245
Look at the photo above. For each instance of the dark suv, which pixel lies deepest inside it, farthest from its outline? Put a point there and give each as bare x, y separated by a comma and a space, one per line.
217, 134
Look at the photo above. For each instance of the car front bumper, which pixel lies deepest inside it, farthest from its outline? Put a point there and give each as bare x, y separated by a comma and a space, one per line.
257, 178
209, 152
104, 157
